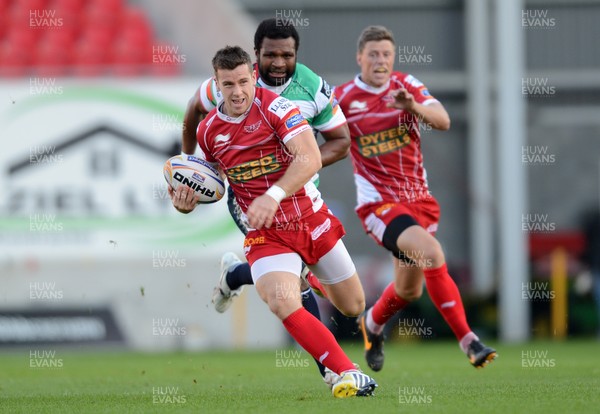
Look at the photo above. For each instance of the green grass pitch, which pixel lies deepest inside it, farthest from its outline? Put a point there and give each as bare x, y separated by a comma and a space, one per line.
427, 377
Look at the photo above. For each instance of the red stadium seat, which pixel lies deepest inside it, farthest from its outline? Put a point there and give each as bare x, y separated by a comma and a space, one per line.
67, 6
4, 17
131, 55
112, 6
101, 19
54, 55
23, 37
89, 59
32, 4
80, 37
20, 19
15, 61
135, 23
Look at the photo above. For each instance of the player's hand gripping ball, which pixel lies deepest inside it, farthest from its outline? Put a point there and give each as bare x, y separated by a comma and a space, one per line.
197, 174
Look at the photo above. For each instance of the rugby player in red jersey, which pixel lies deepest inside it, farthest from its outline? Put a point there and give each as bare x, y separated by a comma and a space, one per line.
384, 108
276, 44
242, 137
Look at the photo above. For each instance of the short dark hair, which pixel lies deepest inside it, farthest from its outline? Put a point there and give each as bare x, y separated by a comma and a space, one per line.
230, 57
374, 33
275, 28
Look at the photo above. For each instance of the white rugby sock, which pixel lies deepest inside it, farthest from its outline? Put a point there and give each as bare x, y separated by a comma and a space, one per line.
372, 325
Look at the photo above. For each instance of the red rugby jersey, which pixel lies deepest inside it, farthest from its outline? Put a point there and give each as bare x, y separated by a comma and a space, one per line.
386, 142
251, 151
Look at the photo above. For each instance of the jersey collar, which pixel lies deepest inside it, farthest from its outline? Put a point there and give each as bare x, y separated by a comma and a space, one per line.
231, 119
276, 89
362, 85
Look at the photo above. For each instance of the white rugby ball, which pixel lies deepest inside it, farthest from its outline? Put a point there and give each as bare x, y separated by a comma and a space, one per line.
197, 174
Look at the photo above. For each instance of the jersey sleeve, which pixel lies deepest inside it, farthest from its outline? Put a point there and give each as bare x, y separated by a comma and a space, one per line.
287, 119
329, 115
209, 96
418, 90
204, 142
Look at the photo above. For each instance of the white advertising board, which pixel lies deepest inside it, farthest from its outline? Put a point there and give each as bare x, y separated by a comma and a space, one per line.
82, 170
86, 222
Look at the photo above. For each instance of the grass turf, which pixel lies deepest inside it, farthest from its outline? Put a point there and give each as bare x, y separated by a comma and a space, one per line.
432, 377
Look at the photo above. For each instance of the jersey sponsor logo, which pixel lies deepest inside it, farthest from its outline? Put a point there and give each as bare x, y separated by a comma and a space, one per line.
326, 89
281, 106
251, 128
293, 121
320, 229
256, 168
383, 142
425, 92
251, 241
222, 138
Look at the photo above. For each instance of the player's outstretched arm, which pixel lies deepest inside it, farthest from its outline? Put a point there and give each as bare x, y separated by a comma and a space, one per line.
194, 113
336, 146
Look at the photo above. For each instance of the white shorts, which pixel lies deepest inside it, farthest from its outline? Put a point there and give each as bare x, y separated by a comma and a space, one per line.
334, 267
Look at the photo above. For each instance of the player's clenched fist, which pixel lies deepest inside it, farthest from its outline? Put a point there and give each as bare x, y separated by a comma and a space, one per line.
403, 99
261, 212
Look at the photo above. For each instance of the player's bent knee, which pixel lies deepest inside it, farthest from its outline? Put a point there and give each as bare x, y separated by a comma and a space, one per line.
434, 253
352, 309
282, 308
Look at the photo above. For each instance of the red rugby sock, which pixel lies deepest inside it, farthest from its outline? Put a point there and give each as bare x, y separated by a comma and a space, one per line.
317, 340
446, 297
387, 305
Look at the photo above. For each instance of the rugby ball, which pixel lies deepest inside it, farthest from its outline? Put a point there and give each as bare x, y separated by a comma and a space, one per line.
197, 174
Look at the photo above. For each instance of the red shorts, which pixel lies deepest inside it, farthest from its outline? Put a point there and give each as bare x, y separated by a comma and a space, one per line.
375, 217
311, 238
